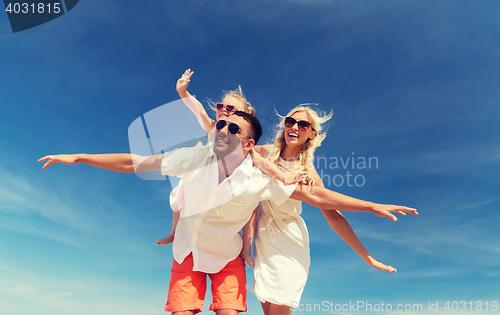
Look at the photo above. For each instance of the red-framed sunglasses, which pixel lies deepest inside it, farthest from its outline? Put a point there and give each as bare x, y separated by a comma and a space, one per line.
303, 124
229, 108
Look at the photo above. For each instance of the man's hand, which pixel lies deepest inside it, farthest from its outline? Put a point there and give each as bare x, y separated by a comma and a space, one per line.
68, 159
382, 210
165, 241
183, 82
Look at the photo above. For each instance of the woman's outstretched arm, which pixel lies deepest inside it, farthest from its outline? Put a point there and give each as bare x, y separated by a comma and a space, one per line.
340, 225
326, 199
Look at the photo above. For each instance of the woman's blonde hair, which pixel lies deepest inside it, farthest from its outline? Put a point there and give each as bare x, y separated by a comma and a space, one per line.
237, 94
305, 158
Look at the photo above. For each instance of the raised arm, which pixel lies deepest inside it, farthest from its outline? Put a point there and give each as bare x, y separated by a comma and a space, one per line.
340, 225
118, 162
192, 103
325, 199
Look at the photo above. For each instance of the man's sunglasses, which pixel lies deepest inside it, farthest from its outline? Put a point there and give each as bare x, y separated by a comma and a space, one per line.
229, 108
232, 127
303, 124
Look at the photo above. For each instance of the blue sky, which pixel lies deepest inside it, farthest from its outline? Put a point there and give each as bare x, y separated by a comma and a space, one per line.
412, 83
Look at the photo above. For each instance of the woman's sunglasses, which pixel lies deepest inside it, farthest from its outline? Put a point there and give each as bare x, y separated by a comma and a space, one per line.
303, 124
229, 108
232, 127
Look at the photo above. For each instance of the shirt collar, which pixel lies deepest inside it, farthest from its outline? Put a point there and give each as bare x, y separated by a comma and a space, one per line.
246, 166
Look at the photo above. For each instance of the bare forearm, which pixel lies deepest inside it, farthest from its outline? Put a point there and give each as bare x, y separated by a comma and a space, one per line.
249, 230
175, 220
197, 108
340, 225
118, 162
329, 200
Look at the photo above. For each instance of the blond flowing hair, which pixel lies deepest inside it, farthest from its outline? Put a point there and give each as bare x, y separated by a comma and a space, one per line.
237, 94
305, 158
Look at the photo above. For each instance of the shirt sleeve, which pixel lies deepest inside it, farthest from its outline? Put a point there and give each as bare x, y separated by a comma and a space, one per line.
276, 191
185, 160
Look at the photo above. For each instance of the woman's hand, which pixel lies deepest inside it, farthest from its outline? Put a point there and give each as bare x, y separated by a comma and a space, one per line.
290, 179
382, 210
372, 262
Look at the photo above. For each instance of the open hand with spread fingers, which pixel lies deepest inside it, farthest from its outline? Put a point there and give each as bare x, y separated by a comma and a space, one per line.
183, 82
382, 210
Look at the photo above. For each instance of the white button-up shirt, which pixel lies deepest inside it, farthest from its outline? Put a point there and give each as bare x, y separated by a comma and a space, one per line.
215, 213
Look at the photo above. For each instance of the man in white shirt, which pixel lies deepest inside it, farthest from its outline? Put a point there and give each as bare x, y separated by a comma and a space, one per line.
222, 188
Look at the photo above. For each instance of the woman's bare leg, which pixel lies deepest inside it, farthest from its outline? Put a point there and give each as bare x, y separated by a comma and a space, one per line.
274, 309
265, 307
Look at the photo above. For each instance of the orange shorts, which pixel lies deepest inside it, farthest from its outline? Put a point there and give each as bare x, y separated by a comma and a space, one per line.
187, 287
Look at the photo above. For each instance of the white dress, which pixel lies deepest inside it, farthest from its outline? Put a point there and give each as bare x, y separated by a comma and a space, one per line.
281, 251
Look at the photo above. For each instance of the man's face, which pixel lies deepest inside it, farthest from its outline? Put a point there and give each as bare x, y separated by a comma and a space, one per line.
227, 143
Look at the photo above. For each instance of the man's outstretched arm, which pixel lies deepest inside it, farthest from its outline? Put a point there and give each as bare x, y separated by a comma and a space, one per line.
325, 199
118, 162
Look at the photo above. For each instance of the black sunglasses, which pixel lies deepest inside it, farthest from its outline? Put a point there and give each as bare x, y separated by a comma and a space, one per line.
303, 124
232, 127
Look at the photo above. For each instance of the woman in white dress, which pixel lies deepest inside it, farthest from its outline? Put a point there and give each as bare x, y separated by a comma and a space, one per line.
281, 255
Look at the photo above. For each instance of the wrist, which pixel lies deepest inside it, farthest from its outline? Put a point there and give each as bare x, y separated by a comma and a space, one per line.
368, 259
183, 94
369, 206
79, 158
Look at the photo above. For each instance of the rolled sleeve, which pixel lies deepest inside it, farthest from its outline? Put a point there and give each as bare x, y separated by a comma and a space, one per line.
277, 192
182, 161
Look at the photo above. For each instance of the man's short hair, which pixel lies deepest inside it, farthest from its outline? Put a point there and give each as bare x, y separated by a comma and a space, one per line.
254, 125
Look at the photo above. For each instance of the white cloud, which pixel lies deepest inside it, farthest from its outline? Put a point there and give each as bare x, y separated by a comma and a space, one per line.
22, 197
25, 292
84, 215
477, 204
473, 243
467, 159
